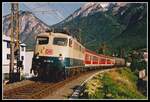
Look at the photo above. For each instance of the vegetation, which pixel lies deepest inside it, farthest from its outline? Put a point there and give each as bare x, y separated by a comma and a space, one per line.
120, 84
137, 61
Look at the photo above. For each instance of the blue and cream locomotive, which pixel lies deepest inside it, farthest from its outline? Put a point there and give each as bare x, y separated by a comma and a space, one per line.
55, 54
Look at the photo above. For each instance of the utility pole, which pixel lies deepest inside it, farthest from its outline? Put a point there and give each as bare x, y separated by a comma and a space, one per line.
11, 70
15, 46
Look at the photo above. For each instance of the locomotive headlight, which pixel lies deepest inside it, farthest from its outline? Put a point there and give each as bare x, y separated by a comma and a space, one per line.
37, 57
60, 57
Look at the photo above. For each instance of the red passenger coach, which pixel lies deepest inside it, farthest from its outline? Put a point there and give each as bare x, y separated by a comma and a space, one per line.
87, 59
108, 62
94, 59
91, 58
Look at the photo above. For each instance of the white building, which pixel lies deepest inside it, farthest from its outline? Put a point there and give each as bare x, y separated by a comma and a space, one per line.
145, 55
28, 63
6, 54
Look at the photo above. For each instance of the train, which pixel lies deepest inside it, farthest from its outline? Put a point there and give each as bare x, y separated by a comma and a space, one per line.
58, 56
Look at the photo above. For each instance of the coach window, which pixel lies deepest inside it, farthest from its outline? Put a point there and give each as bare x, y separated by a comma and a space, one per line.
86, 57
70, 43
94, 58
60, 41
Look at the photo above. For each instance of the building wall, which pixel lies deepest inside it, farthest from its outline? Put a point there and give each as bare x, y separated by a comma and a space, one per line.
28, 62
146, 56
5, 51
23, 53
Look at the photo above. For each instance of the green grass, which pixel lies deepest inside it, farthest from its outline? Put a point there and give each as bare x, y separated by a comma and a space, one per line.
120, 84
126, 72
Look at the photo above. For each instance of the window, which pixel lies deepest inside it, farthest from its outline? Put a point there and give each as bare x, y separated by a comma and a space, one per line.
95, 58
103, 61
42, 40
87, 57
22, 48
8, 56
8, 44
70, 43
60, 41
22, 58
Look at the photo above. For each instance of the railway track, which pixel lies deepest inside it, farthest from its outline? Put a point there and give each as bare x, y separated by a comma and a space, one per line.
37, 90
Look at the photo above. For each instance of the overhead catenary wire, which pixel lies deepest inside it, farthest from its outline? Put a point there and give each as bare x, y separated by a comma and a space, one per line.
35, 11
47, 11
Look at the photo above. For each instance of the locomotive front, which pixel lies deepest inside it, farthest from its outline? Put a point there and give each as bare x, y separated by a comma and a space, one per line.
49, 54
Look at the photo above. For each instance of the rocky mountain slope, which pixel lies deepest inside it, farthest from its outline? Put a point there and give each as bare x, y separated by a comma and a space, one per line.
118, 25
30, 26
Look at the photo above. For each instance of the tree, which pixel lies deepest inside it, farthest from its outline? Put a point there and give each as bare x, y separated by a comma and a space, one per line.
103, 48
122, 53
138, 63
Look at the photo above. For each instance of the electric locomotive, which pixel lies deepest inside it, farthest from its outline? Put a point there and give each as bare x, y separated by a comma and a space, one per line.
56, 56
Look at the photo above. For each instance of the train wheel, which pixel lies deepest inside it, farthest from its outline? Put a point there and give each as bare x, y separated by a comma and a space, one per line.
58, 76
47, 75
55, 76
61, 75
40, 72
35, 72
66, 73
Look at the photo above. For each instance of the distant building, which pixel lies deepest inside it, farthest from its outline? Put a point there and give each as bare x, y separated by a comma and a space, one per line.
142, 74
145, 55
128, 64
28, 63
6, 54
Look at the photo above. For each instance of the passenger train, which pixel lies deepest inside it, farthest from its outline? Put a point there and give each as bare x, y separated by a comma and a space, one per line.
59, 55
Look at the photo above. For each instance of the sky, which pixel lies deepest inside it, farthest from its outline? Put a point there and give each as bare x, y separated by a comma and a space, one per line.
63, 10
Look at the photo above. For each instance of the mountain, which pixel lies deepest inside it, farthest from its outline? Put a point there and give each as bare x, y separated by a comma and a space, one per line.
30, 26
87, 9
118, 25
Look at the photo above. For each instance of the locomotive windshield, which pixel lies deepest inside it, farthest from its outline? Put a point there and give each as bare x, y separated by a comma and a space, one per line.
60, 41
42, 40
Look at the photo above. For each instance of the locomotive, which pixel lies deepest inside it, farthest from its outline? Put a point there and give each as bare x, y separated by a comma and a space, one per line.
59, 55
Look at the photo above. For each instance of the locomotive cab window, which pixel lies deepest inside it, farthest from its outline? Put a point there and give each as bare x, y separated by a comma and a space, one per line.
42, 40
60, 41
